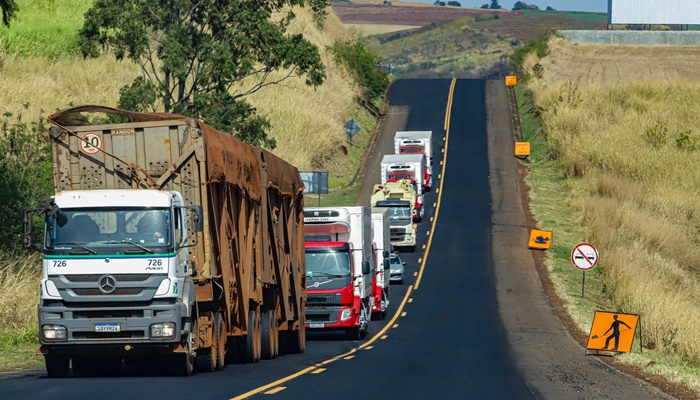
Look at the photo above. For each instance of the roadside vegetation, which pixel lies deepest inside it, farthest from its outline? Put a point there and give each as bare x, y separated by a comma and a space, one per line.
43, 71
612, 165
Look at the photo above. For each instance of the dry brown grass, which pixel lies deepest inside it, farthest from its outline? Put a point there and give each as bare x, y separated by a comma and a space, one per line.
19, 293
307, 122
640, 207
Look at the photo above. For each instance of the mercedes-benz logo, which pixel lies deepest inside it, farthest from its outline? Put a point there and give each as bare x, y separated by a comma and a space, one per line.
107, 284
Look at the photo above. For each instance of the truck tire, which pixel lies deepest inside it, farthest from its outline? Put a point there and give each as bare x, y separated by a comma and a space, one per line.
296, 340
269, 335
205, 361
252, 345
57, 366
220, 340
353, 333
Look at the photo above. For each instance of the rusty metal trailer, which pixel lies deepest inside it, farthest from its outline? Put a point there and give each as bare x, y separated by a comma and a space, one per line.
240, 263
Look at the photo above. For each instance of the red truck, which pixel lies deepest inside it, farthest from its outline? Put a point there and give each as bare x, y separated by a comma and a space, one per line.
338, 269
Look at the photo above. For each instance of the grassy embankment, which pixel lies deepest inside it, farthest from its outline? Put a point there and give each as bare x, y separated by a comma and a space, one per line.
613, 165
42, 66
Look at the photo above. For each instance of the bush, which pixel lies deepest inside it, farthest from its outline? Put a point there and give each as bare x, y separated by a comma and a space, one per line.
25, 173
656, 135
365, 65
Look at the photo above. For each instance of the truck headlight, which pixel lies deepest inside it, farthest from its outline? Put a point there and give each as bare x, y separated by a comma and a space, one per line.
163, 330
54, 332
346, 314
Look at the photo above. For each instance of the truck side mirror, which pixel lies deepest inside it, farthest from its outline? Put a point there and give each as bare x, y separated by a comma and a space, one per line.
27, 228
386, 253
365, 268
387, 265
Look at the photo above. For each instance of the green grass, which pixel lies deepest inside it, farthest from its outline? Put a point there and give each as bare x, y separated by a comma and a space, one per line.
588, 16
45, 28
551, 204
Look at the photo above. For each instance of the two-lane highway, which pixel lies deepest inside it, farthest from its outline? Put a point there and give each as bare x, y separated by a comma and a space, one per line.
444, 336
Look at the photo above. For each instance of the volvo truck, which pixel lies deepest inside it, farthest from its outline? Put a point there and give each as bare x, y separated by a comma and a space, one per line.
338, 269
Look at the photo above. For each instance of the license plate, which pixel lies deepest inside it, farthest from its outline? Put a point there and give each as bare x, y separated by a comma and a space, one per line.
107, 328
317, 325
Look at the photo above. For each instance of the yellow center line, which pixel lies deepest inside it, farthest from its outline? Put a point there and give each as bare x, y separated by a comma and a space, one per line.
439, 192
391, 323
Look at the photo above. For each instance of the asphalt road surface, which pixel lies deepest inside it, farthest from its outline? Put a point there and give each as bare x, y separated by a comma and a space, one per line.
471, 320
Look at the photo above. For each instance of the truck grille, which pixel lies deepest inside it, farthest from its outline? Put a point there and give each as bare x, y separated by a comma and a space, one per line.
322, 300
121, 287
328, 315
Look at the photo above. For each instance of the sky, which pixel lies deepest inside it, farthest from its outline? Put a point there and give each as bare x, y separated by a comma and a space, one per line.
559, 5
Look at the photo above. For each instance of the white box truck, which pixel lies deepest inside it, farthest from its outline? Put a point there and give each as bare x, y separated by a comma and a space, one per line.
382, 247
416, 142
395, 167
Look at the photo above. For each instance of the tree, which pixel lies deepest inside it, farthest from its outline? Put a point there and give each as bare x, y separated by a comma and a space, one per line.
439, 3
9, 9
521, 5
485, 6
495, 5
454, 3
550, 9
195, 55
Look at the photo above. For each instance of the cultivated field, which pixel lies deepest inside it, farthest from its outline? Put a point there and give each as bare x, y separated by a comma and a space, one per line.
407, 15
529, 26
612, 65
623, 122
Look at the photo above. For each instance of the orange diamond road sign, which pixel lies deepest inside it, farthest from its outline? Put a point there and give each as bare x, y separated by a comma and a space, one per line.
540, 240
612, 331
522, 149
511, 80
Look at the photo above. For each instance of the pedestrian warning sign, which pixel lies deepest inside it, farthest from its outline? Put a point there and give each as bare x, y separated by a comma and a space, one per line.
612, 331
540, 240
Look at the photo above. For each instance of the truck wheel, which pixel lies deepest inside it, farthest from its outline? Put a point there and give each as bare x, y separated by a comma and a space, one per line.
220, 340
353, 333
252, 346
205, 360
296, 340
183, 364
57, 366
270, 341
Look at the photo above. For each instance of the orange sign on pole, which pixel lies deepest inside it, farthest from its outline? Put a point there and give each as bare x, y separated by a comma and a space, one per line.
540, 240
612, 331
522, 149
511, 80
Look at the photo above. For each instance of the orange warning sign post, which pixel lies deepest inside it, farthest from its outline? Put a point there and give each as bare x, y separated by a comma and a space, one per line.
511, 80
612, 331
522, 149
540, 240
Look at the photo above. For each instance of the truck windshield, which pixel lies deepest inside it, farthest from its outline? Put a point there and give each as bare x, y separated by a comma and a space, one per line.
136, 228
327, 264
400, 215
